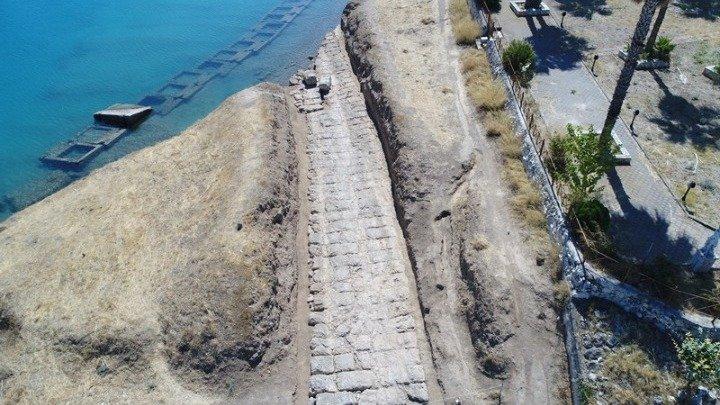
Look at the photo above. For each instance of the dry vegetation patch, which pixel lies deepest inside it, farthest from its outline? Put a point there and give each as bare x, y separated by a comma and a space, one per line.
635, 378
464, 26
488, 96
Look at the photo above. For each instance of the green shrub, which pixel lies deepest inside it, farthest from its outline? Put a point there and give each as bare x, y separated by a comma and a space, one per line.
663, 48
717, 68
701, 360
591, 214
519, 60
584, 162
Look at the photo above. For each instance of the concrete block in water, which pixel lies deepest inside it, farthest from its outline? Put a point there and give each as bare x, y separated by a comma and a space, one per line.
309, 78
123, 115
101, 135
325, 84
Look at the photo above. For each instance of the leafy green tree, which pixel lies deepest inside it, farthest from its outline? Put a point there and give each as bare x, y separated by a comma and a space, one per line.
583, 163
701, 360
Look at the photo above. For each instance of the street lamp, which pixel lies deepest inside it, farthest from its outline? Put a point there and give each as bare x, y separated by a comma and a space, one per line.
562, 20
691, 186
595, 58
632, 124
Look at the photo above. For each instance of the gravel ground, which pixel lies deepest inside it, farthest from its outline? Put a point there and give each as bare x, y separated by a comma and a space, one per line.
679, 124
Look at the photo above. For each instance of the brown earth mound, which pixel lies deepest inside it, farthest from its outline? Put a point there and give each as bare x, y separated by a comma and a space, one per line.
166, 275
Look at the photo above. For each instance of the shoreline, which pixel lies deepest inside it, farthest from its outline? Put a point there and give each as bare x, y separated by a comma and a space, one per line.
275, 63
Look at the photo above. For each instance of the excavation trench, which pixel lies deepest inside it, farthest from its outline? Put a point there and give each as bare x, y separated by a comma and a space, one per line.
366, 331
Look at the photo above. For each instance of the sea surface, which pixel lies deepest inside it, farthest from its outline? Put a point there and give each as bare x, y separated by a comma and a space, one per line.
60, 61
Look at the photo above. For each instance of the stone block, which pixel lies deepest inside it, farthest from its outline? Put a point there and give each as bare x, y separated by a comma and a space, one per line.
123, 115
325, 84
345, 362
338, 398
309, 78
321, 365
320, 383
518, 7
417, 393
355, 380
711, 73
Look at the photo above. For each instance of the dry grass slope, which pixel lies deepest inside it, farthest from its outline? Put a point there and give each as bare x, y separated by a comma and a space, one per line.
163, 277
488, 96
465, 28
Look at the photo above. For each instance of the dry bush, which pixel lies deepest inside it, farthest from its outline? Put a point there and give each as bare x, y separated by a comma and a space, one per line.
486, 95
498, 123
511, 147
479, 243
561, 293
464, 26
474, 60
466, 31
636, 379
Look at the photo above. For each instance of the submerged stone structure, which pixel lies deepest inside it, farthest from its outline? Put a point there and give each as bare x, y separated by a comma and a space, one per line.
123, 115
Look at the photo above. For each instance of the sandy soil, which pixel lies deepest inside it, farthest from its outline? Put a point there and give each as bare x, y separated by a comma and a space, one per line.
155, 278
488, 317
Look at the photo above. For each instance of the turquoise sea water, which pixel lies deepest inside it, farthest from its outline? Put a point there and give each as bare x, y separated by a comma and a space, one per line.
60, 61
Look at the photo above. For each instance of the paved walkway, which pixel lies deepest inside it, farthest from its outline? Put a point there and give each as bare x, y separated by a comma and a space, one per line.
366, 329
648, 220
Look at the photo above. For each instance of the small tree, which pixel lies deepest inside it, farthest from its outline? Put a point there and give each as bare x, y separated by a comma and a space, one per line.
519, 60
701, 360
583, 163
577, 161
533, 3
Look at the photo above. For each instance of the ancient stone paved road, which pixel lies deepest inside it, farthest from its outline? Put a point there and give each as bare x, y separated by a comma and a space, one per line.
363, 314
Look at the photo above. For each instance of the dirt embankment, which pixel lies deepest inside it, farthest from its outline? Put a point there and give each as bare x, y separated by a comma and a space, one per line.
487, 302
168, 275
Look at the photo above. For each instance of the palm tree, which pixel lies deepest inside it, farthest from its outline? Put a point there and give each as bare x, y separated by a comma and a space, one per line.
656, 27
626, 75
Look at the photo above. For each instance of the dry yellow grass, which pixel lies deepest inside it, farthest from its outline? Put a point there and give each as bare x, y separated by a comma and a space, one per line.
498, 123
464, 26
635, 378
488, 95
486, 92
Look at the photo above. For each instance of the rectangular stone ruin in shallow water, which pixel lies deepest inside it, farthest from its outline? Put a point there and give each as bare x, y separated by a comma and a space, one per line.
76, 153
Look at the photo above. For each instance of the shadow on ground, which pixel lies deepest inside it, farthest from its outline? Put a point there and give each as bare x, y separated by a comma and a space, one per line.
706, 9
584, 8
684, 122
654, 261
555, 47
641, 235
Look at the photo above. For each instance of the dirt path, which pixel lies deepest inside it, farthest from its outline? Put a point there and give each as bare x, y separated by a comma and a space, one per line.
366, 337
535, 346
